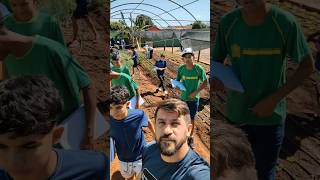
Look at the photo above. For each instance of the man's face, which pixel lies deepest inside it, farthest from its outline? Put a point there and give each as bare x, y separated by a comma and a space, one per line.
23, 10
24, 155
116, 63
119, 111
171, 131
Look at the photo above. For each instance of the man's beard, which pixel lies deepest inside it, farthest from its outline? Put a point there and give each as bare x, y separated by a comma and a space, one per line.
166, 148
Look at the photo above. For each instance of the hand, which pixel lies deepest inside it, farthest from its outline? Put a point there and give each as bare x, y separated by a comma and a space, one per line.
87, 143
193, 94
265, 107
216, 85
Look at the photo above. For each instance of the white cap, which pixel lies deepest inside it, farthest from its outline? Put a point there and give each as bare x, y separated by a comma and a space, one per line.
187, 51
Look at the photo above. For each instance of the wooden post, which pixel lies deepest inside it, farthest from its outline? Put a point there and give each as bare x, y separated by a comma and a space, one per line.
172, 46
165, 44
199, 56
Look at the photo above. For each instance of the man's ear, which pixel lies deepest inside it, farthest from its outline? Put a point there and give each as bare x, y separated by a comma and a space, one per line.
57, 134
189, 126
128, 104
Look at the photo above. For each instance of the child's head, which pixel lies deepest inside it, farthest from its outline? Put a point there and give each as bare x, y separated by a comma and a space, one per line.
116, 60
188, 56
23, 10
231, 153
29, 108
162, 56
119, 102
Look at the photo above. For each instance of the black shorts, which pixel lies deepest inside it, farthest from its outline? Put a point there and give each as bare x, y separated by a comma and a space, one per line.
81, 9
135, 64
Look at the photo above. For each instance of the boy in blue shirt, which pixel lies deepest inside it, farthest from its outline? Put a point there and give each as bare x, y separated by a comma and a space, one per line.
126, 130
29, 109
161, 66
135, 58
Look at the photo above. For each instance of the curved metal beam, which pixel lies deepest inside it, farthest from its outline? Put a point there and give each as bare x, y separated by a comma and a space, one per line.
140, 10
183, 8
151, 6
137, 13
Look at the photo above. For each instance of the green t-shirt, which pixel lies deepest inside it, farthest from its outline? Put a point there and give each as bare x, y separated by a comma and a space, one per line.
122, 69
191, 80
259, 56
127, 81
51, 59
42, 24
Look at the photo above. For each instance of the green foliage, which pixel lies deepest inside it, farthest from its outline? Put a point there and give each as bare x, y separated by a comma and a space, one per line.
199, 25
143, 21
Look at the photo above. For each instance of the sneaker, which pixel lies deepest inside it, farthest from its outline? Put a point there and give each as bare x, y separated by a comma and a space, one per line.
166, 92
190, 142
160, 89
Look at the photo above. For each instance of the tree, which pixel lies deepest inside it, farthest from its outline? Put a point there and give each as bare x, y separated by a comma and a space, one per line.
199, 25
143, 21
116, 26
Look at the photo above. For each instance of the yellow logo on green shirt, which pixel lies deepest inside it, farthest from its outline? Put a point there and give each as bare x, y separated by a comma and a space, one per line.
189, 77
237, 52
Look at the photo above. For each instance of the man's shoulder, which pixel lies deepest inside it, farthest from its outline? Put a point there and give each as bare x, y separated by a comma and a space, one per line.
149, 149
282, 17
72, 161
230, 17
198, 167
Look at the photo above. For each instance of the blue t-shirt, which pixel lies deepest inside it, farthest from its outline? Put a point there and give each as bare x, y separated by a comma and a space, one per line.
77, 165
135, 56
191, 167
128, 135
160, 64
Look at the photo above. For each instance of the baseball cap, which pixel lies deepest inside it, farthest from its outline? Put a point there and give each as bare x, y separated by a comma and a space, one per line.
187, 51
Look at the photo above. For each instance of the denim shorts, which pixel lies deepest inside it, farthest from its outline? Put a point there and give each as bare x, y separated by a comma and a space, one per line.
193, 108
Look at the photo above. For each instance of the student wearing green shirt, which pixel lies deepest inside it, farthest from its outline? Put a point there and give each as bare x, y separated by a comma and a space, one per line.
117, 66
258, 38
194, 78
37, 55
27, 20
122, 79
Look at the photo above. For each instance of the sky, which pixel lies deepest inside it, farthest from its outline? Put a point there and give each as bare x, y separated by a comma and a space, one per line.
200, 9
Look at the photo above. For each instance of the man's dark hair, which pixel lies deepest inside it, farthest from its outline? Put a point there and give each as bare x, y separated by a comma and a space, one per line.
230, 148
29, 105
119, 95
175, 105
162, 55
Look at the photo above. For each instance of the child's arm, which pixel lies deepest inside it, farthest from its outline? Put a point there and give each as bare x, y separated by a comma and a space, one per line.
138, 98
90, 113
